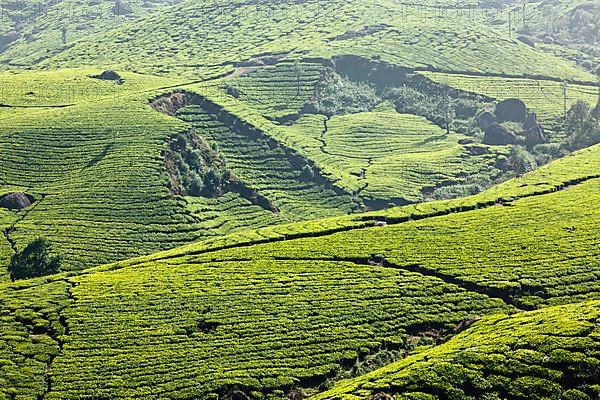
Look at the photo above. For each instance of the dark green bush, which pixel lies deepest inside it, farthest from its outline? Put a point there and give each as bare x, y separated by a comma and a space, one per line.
520, 161
582, 127
337, 95
37, 259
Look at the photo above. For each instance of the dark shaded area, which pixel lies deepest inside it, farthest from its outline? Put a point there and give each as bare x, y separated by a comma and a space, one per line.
16, 201
109, 75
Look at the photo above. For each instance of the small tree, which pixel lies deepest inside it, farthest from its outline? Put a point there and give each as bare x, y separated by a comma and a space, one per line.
446, 109
581, 125
298, 71
597, 109
35, 260
520, 160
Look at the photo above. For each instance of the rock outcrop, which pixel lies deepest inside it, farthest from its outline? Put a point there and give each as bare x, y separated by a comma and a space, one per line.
15, 201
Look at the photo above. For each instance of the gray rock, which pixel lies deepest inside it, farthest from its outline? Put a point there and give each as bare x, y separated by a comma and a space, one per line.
511, 110
485, 119
15, 201
497, 135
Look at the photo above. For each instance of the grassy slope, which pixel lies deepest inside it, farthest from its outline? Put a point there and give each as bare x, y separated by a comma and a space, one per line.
93, 152
546, 98
550, 178
546, 354
202, 38
39, 24
132, 326
95, 168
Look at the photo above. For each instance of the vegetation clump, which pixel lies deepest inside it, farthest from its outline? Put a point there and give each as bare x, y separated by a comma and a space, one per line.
338, 95
582, 126
37, 259
109, 75
194, 167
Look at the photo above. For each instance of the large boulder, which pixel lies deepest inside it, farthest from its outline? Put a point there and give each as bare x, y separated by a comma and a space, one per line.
531, 121
527, 40
122, 8
485, 119
535, 136
511, 110
498, 135
534, 131
15, 201
109, 75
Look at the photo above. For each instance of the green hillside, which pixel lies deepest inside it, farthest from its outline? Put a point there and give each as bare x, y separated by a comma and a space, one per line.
205, 38
550, 353
32, 31
301, 312
299, 199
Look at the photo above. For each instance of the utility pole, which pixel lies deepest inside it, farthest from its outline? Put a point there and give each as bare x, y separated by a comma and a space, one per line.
524, 14
298, 72
565, 91
597, 109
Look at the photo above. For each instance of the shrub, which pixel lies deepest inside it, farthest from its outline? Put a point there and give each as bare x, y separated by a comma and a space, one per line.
520, 161
201, 168
37, 259
338, 95
582, 127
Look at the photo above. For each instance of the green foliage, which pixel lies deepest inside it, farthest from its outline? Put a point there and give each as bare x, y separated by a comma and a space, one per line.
439, 104
201, 171
37, 259
582, 126
520, 161
337, 95
499, 357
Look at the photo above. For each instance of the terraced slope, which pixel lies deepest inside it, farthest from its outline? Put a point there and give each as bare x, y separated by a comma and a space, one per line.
511, 251
262, 325
267, 169
30, 90
31, 31
551, 178
279, 91
297, 312
93, 167
545, 354
386, 156
545, 97
223, 34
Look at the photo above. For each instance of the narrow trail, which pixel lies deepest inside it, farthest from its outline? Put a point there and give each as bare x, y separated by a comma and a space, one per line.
57, 338
363, 177
12, 228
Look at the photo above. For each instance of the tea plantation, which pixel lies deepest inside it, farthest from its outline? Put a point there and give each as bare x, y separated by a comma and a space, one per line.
300, 312
550, 353
315, 199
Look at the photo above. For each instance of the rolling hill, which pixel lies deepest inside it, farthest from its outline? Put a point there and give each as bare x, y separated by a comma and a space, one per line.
300, 199
273, 314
